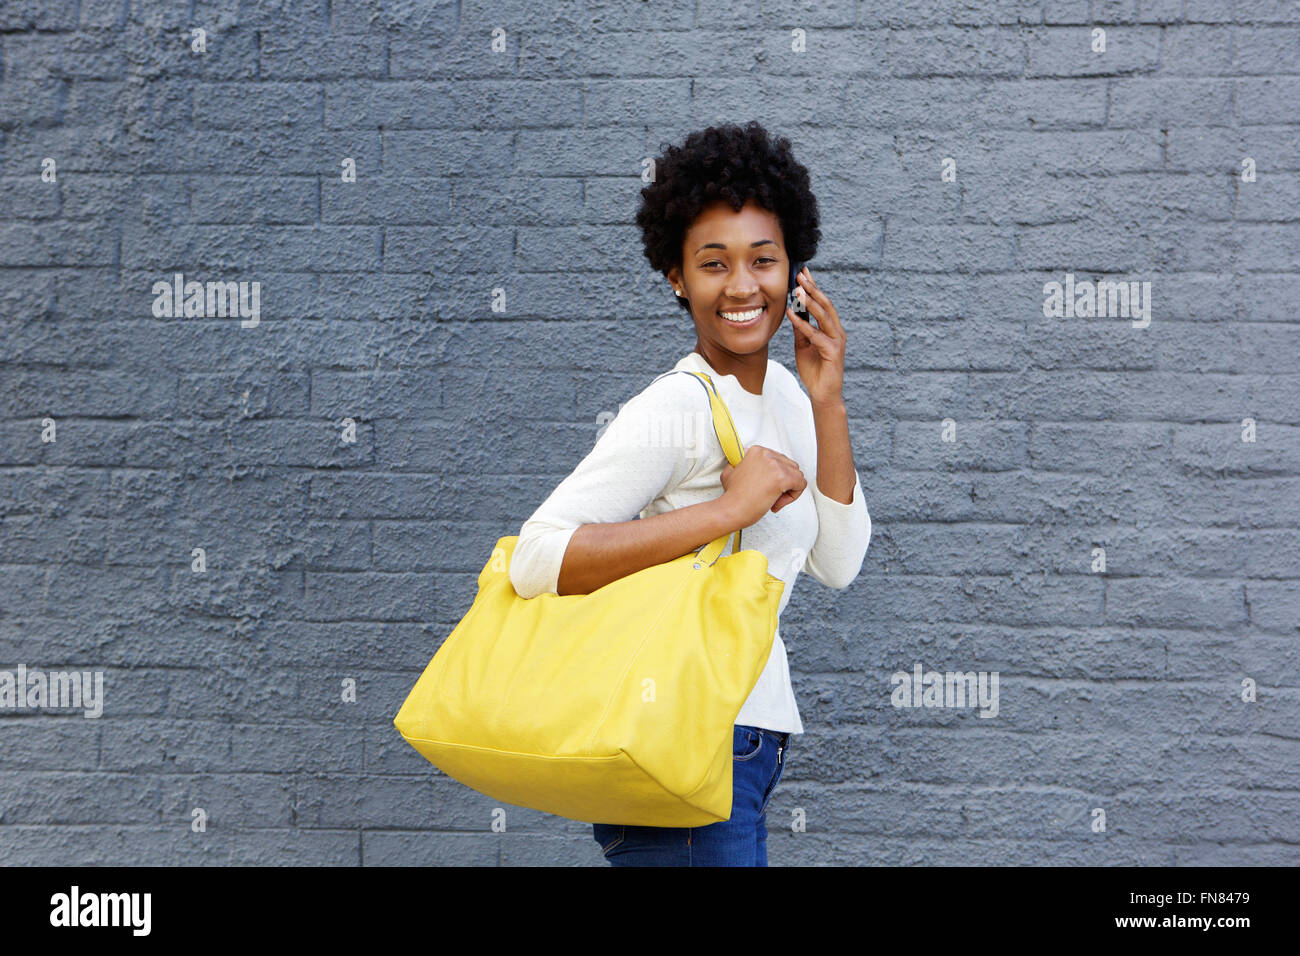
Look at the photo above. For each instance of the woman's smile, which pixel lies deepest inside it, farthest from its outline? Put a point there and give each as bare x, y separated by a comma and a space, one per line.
742, 319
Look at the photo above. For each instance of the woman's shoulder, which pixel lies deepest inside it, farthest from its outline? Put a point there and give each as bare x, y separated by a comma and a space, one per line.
664, 422
674, 389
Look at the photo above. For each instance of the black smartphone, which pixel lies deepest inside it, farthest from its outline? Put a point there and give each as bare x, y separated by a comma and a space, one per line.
794, 302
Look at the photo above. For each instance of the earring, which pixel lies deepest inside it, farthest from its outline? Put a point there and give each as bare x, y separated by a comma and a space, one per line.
678, 291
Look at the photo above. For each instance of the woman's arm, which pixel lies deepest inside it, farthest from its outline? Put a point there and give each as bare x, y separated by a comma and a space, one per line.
843, 522
844, 525
595, 507
600, 553
836, 474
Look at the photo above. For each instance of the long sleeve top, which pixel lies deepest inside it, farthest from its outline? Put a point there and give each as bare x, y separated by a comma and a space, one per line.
645, 463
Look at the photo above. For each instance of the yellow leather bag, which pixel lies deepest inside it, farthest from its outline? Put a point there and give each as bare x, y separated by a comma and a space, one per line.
610, 707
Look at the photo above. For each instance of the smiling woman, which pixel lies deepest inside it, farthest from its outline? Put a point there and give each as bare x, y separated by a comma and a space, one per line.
729, 211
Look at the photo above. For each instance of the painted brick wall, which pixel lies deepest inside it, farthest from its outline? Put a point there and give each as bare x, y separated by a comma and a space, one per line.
1120, 690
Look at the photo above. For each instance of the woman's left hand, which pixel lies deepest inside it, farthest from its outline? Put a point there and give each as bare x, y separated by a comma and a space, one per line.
818, 349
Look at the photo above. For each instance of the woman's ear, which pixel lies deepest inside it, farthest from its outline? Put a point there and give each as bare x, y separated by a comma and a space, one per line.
674, 276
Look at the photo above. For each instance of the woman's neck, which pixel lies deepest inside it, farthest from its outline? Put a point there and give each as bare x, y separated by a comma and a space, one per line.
750, 370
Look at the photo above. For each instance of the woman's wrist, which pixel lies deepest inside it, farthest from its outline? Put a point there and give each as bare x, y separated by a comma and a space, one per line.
722, 518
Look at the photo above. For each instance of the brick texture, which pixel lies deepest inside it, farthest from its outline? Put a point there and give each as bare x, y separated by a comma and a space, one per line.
477, 170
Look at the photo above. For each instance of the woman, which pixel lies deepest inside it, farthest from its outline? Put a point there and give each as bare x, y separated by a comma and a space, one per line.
727, 214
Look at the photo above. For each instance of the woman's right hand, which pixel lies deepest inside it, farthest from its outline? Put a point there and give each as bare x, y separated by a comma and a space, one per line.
765, 480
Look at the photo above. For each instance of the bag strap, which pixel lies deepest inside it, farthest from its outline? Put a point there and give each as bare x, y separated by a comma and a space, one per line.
728, 438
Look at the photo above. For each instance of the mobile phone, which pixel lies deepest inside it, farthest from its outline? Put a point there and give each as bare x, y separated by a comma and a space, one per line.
795, 304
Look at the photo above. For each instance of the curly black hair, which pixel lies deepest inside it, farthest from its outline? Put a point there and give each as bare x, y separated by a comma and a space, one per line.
732, 163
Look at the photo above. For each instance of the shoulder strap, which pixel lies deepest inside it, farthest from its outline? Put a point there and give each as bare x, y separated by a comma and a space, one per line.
728, 438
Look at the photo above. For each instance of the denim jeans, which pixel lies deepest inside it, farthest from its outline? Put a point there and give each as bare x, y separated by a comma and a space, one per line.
758, 757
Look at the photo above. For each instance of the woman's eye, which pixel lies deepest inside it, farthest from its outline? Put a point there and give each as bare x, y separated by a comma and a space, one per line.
715, 262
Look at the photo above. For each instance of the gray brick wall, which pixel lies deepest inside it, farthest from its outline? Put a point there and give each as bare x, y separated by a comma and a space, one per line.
326, 561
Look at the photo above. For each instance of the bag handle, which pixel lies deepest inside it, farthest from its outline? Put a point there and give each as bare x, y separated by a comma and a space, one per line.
728, 438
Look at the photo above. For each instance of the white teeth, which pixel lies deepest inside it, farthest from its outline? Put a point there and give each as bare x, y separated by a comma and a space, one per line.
741, 316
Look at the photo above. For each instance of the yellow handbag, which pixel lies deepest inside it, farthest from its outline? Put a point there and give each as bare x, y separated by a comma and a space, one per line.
610, 707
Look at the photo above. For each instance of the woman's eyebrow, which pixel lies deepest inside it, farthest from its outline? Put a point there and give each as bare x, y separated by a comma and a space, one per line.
723, 245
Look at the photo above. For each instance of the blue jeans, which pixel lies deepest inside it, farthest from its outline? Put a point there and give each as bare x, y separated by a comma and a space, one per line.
758, 758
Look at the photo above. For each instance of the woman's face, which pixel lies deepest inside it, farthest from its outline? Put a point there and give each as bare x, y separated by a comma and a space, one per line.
735, 273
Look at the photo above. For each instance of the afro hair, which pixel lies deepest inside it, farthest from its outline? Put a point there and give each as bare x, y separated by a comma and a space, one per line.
734, 164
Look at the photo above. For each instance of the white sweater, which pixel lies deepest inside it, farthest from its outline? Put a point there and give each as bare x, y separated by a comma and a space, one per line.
639, 466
